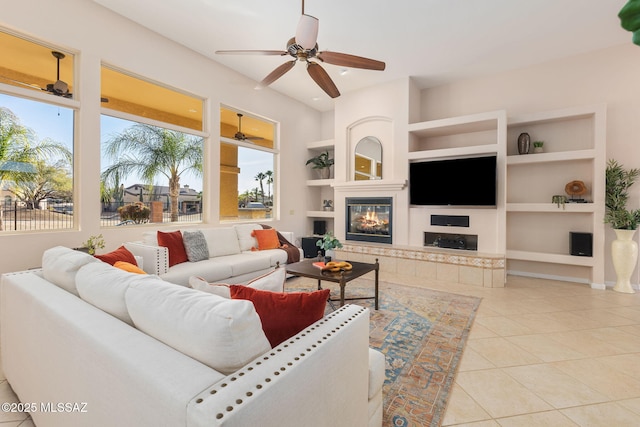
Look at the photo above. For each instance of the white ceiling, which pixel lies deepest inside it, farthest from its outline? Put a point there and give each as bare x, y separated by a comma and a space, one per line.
434, 41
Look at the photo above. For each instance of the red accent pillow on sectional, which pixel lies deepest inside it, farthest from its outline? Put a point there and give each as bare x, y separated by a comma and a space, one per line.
283, 314
173, 242
120, 254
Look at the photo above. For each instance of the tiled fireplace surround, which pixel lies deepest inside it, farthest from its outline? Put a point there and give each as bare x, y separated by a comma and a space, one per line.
486, 270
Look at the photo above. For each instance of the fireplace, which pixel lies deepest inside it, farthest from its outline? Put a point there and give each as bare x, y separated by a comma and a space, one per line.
369, 219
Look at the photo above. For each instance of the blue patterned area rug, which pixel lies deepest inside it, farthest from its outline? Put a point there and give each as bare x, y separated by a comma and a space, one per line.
422, 334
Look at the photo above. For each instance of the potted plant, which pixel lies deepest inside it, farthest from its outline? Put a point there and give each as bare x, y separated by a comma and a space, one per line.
93, 243
322, 163
328, 243
624, 250
537, 146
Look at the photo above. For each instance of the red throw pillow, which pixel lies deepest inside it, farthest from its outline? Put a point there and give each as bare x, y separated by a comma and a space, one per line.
173, 242
283, 314
120, 254
267, 239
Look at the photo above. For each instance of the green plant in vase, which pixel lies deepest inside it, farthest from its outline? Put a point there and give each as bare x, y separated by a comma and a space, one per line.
322, 163
328, 243
537, 146
93, 243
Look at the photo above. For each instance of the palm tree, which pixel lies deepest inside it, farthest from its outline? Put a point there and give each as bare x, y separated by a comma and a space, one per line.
260, 177
149, 151
269, 175
19, 152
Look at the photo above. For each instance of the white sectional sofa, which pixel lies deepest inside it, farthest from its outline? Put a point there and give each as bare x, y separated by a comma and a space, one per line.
231, 259
124, 349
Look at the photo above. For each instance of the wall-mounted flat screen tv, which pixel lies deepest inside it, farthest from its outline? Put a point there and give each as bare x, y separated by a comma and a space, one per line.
468, 181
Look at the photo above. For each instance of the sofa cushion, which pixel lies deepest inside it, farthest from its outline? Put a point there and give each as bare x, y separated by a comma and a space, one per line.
284, 314
243, 234
272, 256
272, 281
104, 286
120, 254
244, 263
221, 333
173, 242
267, 239
195, 245
221, 241
60, 265
210, 269
128, 267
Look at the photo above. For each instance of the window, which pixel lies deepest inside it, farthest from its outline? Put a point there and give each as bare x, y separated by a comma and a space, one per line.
247, 166
36, 136
152, 152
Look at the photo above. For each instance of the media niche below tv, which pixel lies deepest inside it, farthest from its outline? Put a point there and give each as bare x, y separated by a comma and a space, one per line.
468, 181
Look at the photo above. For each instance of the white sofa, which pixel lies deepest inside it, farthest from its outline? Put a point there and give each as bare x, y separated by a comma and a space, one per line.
57, 348
231, 259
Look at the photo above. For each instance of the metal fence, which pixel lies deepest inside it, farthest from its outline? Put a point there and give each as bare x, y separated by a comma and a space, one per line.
15, 216
111, 217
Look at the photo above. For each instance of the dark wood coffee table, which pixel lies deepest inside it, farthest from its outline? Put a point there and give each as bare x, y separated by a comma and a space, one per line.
306, 268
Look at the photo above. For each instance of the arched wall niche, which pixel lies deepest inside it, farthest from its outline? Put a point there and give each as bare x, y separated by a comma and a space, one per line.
377, 127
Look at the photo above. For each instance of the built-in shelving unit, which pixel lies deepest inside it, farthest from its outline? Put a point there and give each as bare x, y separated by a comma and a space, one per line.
538, 229
463, 136
319, 189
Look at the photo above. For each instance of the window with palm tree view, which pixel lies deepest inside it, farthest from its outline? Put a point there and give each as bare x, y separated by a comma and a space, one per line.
247, 166
151, 166
36, 136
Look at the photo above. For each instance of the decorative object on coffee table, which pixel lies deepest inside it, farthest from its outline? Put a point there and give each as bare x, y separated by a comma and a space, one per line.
524, 143
322, 163
328, 243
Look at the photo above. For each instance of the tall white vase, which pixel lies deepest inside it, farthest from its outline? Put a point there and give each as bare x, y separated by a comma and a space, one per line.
624, 251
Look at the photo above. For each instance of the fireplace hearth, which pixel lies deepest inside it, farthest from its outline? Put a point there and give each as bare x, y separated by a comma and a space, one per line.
369, 219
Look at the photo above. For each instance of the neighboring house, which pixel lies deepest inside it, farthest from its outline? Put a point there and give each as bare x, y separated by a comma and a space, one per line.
189, 200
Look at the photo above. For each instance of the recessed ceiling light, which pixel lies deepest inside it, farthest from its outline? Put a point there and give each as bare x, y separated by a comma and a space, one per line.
343, 71
191, 110
315, 98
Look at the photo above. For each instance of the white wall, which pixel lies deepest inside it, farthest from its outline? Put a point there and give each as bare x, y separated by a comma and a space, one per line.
95, 35
608, 76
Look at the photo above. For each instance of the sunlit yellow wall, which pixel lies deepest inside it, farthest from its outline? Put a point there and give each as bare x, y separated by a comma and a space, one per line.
229, 172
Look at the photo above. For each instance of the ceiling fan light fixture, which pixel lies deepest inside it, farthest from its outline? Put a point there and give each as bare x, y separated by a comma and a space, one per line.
307, 31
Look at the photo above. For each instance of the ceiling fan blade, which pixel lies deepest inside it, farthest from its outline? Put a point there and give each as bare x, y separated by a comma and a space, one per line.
277, 73
31, 85
320, 76
307, 31
252, 52
353, 61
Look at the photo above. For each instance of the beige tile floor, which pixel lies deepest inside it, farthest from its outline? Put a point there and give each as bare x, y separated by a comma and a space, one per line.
548, 353
540, 353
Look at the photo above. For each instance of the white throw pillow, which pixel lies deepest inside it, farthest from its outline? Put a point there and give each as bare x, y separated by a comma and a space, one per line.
224, 334
60, 265
245, 239
221, 241
272, 281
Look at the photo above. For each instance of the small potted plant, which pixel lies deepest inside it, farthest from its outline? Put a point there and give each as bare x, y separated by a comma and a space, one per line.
93, 243
322, 163
537, 146
328, 243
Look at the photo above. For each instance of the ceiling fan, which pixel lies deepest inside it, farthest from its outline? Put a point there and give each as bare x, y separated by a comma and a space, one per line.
303, 47
59, 88
241, 136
